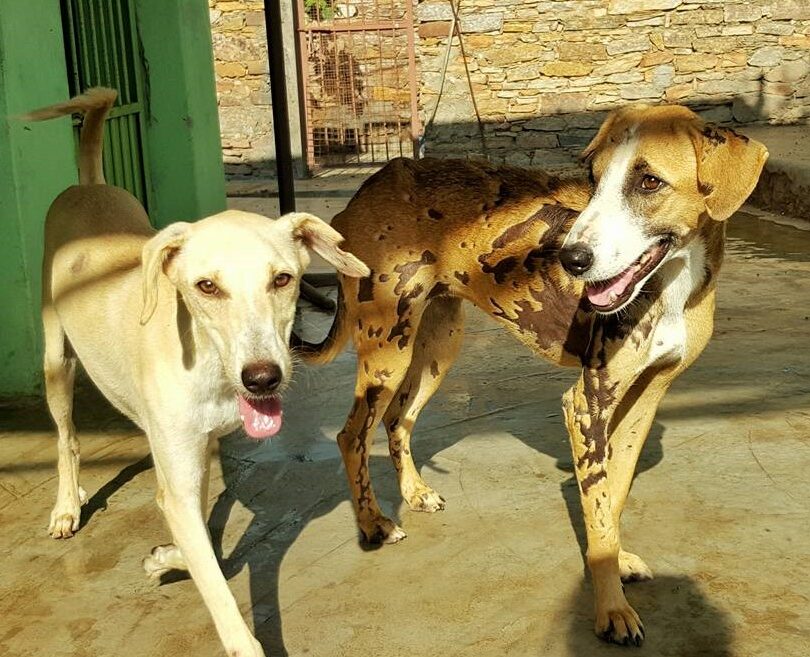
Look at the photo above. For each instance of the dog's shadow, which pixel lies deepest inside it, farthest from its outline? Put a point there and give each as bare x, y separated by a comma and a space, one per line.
283, 495
299, 477
680, 619
299, 480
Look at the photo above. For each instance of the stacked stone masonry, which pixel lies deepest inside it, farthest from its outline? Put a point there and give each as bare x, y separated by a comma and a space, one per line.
544, 74
243, 86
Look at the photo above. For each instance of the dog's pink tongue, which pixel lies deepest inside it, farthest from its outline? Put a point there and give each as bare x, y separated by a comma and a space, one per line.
605, 293
261, 417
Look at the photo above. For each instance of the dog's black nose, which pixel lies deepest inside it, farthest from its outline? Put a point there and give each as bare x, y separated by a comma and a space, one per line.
577, 258
261, 378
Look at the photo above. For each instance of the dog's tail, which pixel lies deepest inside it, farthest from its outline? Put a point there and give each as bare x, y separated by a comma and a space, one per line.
94, 104
326, 350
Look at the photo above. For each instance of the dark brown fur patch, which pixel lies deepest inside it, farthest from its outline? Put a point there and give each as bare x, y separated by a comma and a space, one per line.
398, 331
529, 316
500, 269
556, 218
408, 270
517, 231
365, 288
462, 276
404, 321
435, 214
372, 395
715, 137
559, 220
591, 479
404, 303
434, 369
600, 393
438, 290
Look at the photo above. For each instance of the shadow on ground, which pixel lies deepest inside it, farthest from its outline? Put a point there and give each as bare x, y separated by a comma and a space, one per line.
283, 497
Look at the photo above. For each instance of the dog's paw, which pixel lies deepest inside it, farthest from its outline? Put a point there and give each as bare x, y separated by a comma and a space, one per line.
162, 559
620, 625
382, 530
425, 499
64, 520
632, 568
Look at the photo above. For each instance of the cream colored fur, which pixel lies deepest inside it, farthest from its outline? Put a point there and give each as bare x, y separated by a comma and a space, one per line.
125, 301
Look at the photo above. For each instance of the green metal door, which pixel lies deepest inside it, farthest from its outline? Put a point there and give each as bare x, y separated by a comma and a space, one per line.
102, 49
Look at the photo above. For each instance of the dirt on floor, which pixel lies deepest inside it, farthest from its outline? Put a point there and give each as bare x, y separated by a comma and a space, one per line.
719, 509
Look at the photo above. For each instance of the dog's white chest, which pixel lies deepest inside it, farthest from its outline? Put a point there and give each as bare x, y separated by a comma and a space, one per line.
681, 276
668, 343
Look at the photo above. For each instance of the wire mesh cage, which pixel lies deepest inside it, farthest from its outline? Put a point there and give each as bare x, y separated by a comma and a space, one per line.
359, 78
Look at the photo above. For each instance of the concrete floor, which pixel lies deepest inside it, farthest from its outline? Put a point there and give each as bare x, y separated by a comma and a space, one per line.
719, 510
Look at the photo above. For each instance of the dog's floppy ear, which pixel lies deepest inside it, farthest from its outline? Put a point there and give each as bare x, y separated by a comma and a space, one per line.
319, 236
728, 168
599, 140
156, 253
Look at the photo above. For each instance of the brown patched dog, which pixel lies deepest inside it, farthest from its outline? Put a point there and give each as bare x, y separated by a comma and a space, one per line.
555, 262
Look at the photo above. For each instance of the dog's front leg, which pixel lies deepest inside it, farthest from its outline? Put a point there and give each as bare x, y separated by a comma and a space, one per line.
181, 466
588, 407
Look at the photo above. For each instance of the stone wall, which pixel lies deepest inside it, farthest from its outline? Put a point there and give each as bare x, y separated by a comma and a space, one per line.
544, 73
243, 86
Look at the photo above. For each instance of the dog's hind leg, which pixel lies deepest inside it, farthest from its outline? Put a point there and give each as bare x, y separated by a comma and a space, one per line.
380, 371
383, 356
60, 372
435, 349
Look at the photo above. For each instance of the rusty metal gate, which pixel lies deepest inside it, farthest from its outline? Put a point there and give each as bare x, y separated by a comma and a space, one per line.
358, 71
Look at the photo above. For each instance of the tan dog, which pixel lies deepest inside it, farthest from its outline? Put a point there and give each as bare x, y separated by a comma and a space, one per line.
184, 331
648, 243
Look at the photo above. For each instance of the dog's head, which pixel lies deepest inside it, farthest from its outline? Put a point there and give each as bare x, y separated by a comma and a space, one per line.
237, 275
657, 173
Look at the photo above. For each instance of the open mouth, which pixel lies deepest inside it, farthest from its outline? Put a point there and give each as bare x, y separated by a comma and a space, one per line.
261, 416
611, 294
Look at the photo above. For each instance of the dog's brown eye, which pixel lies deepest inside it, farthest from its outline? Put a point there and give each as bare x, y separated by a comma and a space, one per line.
282, 280
207, 287
651, 183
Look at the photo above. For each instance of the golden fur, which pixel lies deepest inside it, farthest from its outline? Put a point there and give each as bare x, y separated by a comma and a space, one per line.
436, 233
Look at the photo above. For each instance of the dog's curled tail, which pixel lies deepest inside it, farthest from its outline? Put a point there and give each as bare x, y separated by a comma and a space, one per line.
326, 350
94, 104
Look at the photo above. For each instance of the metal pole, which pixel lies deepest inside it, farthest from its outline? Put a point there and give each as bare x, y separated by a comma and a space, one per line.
281, 130
278, 98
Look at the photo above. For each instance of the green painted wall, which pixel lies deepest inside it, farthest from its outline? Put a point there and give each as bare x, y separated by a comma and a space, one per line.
185, 153
37, 161
35, 166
